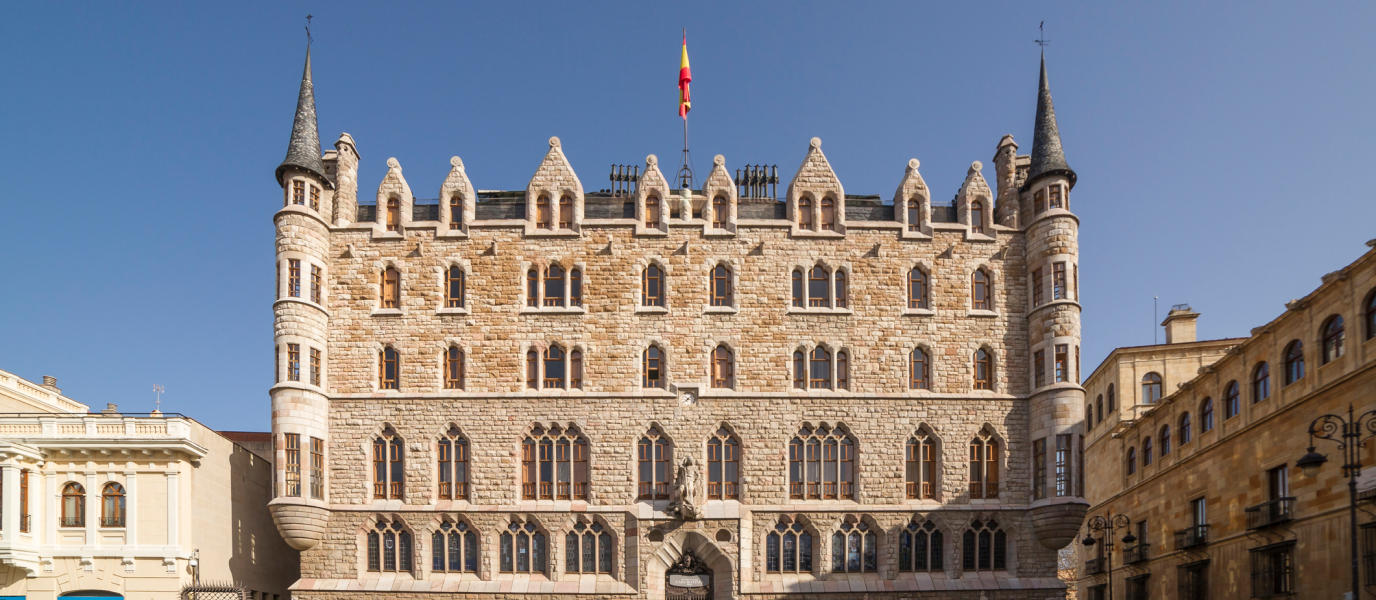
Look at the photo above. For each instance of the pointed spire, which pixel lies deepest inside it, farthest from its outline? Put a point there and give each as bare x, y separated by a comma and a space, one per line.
303, 151
1047, 156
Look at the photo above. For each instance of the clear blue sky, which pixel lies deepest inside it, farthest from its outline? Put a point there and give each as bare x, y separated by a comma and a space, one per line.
1220, 149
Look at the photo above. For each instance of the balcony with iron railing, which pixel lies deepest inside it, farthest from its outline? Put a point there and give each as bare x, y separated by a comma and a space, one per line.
25, 523
1136, 553
1270, 513
1094, 566
1192, 536
72, 521
112, 521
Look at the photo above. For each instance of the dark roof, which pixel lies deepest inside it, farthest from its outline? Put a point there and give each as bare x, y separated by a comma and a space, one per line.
1047, 156
303, 151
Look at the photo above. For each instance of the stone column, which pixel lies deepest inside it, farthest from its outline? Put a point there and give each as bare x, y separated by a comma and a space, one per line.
9, 479
92, 511
131, 503
50, 512
172, 539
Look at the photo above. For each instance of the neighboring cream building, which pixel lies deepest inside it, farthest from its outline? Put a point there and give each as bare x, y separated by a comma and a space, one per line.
131, 505
1206, 472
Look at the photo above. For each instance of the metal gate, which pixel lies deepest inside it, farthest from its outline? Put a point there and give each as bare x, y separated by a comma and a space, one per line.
678, 593
214, 591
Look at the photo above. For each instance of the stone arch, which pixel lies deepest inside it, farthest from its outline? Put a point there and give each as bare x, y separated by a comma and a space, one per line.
673, 548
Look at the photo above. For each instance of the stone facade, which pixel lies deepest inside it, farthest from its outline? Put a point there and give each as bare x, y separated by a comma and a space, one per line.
1265, 529
356, 331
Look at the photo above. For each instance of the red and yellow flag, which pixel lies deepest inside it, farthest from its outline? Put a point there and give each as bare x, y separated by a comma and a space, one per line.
685, 75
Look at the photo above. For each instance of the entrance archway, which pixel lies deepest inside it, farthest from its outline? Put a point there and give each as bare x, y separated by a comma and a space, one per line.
688, 579
719, 568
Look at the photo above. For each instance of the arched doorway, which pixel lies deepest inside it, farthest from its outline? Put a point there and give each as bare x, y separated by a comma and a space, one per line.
688, 579
91, 594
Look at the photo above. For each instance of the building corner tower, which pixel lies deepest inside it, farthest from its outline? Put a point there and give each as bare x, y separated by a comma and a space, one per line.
1056, 419
300, 321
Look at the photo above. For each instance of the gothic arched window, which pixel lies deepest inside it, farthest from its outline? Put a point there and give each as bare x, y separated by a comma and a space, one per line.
1186, 431
1132, 461
389, 369
821, 464
652, 368
817, 287
919, 370
1206, 415
588, 549
388, 465
566, 212
654, 454
455, 211
984, 370
721, 286
788, 549
981, 291
554, 464
985, 547
554, 367
523, 549
805, 212
453, 368
652, 212
1294, 362
977, 217
554, 286
389, 548
917, 288
652, 286
454, 549
854, 549
391, 288
1334, 338
453, 463
828, 213
1232, 395
575, 287
819, 369
393, 214
1146, 451
720, 212
984, 465
1165, 437
454, 288
920, 466
723, 368
723, 465
920, 548
544, 216
914, 214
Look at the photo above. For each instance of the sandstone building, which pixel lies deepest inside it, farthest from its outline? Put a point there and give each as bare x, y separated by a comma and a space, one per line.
677, 392
114, 505
1196, 443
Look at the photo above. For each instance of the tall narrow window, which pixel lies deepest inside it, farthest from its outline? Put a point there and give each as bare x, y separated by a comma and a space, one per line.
73, 505
1371, 316
805, 212
453, 461
821, 464
576, 369
652, 209
454, 549
317, 468
315, 198
980, 291
532, 288
720, 212
723, 368
388, 370
1063, 449
1146, 451
1132, 461
1099, 409
723, 465
532, 370
984, 370
1112, 402
1037, 295
919, 370
840, 277
391, 288
454, 296
24, 501
1165, 437
917, 288
294, 278
652, 368
854, 549
1039, 469
1186, 429
316, 284
112, 505
455, 211
298, 192
1151, 388
920, 548
292, 451
293, 362
798, 295
1294, 362
1231, 400
454, 368
977, 217
920, 465
554, 286
828, 213
652, 286
1057, 199
985, 547
788, 549
523, 549
1062, 371
1261, 383
654, 455
1058, 290
1039, 201
388, 470
576, 287
1039, 368
842, 370
566, 212
554, 464
393, 214
799, 370
1206, 415
914, 215
544, 216
588, 549
721, 286
1333, 338
984, 465
819, 369
554, 368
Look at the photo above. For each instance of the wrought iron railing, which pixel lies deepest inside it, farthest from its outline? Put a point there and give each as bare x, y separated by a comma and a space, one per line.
1270, 513
72, 521
1195, 535
25, 522
1136, 553
112, 521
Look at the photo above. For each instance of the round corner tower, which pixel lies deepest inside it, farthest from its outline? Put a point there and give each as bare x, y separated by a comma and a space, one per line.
300, 407
1056, 400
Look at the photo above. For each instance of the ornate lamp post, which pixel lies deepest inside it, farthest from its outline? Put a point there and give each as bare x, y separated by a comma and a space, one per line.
1351, 435
1106, 525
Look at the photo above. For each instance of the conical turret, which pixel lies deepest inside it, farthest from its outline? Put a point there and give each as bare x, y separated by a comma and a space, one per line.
303, 151
1047, 156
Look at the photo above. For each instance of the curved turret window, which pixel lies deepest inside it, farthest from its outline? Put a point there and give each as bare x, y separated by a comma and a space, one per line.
523, 549
981, 291
1151, 388
112, 505
821, 464
298, 192
919, 370
1294, 362
389, 369
454, 548
389, 470
1333, 338
723, 368
723, 465
73, 505
554, 464
654, 455
920, 548
1056, 196
453, 460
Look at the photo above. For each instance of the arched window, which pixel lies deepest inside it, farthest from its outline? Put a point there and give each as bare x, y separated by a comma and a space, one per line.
817, 287
455, 211
720, 212
984, 465
840, 296
575, 287
389, 369
576, 369
799, 370
544, 216
1089, 416
1206, 415
554, 367
1371, 316
1099, 409
652, 286
917, 288
914, 214
854, 549
112, 505
819, 369
828, 213
652, 212
388, 465
985, 547
391, 288
1333, 339
799, 298
453, 462
723, 465
1132, 461
554, 464
389, 548
919, 370
554, 285
805, 212
984, 370
981, 290
920, 465
1112, 402
532, 370
1146, 451
454, 288
1294, 362
1261, 382
788, 549
654, 455
1232, 404
721, 286
723, 368
523, 549
454, 549
453, 368
977, 217
821, 464
588, 549
566, 212
73, 505
842, 370
1165, 437
393, 214
920, 548
652, 368
1186, 431
1151, 388
533, 288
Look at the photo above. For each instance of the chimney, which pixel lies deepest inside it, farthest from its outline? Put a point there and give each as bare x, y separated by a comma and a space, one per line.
1179, 324
110, 409
50, 382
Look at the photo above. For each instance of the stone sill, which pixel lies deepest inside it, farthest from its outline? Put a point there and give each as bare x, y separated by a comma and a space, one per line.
982, 313
651, 310
719, 310
554, 310
819, 234
982, 238
1051, 214
724, 393
556, 233
818, 310
386, 312
1057, 302
381, 234
919, 312
456, 310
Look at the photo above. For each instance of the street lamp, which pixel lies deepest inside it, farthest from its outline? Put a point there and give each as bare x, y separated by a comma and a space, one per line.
1106, 525
1351, 435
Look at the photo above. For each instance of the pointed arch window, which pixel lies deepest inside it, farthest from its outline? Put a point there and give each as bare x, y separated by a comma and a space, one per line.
984, 370
920, 548
1186, 429
854, 549
919, 370
788, 549
652, 286
532, 288
721, 286
799, 297
828, 213
1261, 382
799, 370
588, 549
389, 369
454, 548
984, 465
454, 368
73, 505
1151, 388
842, 370
985, 547
654, 455
914, 214
977, 217
652, 212
455, 211
389, 470
723, 465
523, 549
393, 214
532, 370
389, 548
454, 288
839, 297
544, 215
917, 288
981, 290
652, 368
821, 464
1206, 415
723, 368
112, 509
720, 212
1294, 362
391, 288
1334, 339
920, 465
1099, 409
554, 464
566, 212
453, 463
294, 277
1132, 461
805, 212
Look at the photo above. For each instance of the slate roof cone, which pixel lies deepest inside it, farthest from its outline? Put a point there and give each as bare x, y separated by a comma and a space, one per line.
1047, 156
303, 151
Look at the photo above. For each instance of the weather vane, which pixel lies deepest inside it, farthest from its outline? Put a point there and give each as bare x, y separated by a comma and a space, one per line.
1041, 36
308, 29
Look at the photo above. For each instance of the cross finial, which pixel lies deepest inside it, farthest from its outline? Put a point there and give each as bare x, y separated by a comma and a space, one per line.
1041, 36
308, 29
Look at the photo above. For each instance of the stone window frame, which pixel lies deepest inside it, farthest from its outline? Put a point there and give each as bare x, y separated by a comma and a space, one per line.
991, 279
324, 194
927, 271
947, 545
375, 286
710, 345
368, 482
871, 527
665, 366
1012, 533
719, 184
456, 184
637, 496
442, 276
815, 199
1332, 339
574, 429
1043, 188
435, 439
466, 353
911, 189
540, 346
767, 527
370, 524
393, 187
307, 261
1294, 360
559, 567
831, 268
504, 528
741, 486
733, 267
425, 564
834, 348
558, 168
1048, 349
995, 366
641, 265
939, 463
306, 344
840, 430
976, 190
541, 266
931, 369
988, 433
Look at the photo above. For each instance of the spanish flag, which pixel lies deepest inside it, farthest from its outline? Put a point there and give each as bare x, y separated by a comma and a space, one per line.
685, 75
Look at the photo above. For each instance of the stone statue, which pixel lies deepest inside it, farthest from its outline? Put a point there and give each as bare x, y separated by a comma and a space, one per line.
684, 495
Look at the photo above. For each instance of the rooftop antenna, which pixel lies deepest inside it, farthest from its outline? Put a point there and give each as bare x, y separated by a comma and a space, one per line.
157, 391
1041, 37
308, 30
